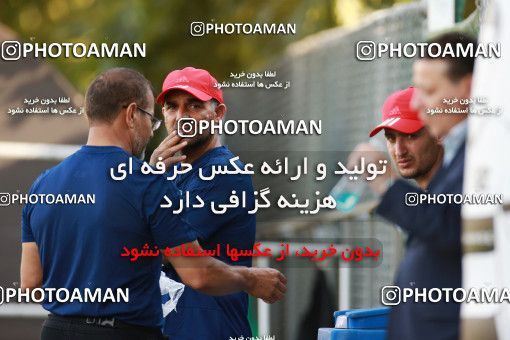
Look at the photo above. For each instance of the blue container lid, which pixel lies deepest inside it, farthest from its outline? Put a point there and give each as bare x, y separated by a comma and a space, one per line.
351, 334
374, 318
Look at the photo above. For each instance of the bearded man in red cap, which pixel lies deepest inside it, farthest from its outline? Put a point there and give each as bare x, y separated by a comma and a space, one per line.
415, 152
432, 258
432, 268
191, 96
433, 253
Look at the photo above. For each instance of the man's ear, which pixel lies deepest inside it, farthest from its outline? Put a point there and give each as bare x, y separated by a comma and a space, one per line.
129, 112
220, 111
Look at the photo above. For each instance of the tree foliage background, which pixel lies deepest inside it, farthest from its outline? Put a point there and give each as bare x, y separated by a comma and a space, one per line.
164, 27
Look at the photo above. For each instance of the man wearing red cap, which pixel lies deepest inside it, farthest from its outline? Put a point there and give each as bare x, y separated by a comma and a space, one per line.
416, 154
434, 254
119, 106
188, 94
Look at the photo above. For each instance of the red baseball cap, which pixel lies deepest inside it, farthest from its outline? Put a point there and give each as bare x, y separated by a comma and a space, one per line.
398, 115
195, 81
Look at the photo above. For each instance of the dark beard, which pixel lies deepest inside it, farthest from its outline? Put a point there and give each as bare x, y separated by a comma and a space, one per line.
196, 144
418, 173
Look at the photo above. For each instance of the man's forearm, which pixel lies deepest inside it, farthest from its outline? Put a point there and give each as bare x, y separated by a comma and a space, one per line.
213, 277
220, 279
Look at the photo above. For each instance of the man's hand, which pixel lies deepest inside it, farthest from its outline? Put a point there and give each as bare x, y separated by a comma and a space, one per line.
167, 150
267, 284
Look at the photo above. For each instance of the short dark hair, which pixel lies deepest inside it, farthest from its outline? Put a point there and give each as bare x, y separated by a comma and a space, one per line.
114, 89
458, 66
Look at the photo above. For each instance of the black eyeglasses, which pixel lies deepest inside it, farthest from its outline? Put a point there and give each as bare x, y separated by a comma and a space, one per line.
156, 123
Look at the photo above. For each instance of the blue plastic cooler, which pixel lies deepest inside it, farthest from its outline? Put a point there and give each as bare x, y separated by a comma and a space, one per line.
357, 324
